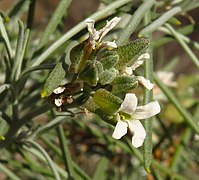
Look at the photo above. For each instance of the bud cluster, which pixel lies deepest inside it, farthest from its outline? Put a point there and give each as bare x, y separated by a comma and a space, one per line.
102, 74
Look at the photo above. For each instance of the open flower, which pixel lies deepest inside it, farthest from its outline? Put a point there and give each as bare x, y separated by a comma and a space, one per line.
128, 116
129, 71
96, 36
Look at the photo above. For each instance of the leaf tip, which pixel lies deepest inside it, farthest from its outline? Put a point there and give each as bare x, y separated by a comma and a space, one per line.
147, 169
43, 94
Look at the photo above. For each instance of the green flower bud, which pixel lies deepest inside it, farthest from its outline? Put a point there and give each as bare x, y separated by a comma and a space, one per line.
108, 102
129, 53
124, 83
109, 59
76, 55
91, 72
91, 106
108, 76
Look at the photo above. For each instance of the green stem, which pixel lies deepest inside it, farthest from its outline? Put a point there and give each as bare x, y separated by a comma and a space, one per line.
184, 45
171, 97
148, 123
46, 156
107, 11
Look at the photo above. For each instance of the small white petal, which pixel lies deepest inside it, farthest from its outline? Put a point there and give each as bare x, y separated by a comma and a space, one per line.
127, 71
110, 25
90, 26
144, 56
109, 44
129, 104
58, 102
147, 111
120, 128
140, 60
145, 82
59, 90
138, 132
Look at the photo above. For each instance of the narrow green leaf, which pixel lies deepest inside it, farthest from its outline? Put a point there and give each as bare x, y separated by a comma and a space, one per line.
8, 172
40, 156
186, 48
160, 21
54, 21
134, 21
54, 80
65, 152
20, 51
101, 169
46, 156
6, 39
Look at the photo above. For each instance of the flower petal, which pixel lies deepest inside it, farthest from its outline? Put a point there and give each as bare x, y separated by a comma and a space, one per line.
59, 90
120, 128
145, 82
90, 26
138, 132
110, 25
109, 44
58, 102
147, 111
129, 104
140, 60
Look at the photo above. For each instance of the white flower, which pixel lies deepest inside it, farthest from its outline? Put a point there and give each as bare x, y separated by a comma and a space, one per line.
96, 36
128, 116
129, 71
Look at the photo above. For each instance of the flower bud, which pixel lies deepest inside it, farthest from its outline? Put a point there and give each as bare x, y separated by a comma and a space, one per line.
107, 101
91, 72
129, 53
109, 59
124, 83
108, 76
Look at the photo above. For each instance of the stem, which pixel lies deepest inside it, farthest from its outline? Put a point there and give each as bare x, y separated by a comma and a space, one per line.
148, 123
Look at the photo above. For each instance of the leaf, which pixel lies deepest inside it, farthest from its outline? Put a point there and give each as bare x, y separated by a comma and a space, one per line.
54, 80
